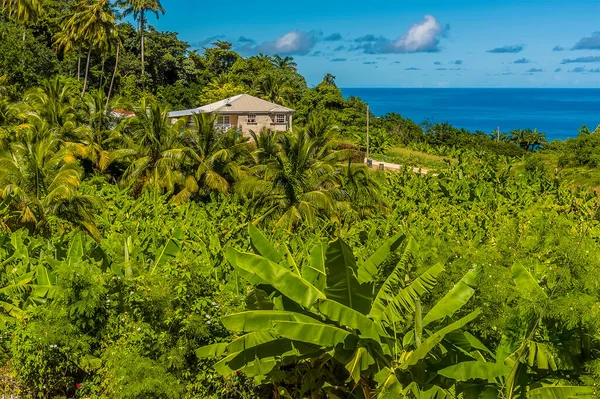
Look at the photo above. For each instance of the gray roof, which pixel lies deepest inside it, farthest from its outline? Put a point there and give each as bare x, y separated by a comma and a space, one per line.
242, 103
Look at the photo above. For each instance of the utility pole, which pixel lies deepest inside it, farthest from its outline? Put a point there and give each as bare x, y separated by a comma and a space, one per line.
367, 134
498, 135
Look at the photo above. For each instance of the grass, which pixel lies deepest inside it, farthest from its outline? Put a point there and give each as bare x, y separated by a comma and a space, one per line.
580, 176
405, 156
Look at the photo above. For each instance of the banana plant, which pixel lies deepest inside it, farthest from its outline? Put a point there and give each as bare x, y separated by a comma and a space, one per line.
330, 312
28, 282
531, 368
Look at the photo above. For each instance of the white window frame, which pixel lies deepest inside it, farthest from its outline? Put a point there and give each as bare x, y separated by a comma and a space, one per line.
251, 118
280, 118
224, 120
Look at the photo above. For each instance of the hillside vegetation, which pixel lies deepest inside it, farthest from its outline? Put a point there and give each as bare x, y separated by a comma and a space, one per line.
144, 259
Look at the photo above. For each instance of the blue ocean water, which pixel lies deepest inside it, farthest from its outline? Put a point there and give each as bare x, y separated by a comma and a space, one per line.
557, 112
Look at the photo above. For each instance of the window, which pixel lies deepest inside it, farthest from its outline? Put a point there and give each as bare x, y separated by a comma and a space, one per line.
224, 120
280, 118
251, 118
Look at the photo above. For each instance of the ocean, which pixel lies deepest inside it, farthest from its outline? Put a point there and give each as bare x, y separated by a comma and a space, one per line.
557, 112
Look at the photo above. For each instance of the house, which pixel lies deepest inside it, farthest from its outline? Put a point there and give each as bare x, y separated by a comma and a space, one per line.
243, 112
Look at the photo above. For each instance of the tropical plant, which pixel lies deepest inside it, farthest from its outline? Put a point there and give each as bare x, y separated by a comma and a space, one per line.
328, 312
42, 181
214, 157
156, 150
284, 63
55, 102
298, 184
266, 144
93, 25
97, 140
138, 9
24, 12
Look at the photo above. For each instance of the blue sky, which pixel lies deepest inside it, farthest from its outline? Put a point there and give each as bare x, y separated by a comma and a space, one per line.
427, 43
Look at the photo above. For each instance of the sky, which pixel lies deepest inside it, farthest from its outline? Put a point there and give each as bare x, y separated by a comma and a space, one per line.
426, 43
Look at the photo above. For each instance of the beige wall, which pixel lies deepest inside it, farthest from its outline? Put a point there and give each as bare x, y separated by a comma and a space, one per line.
262, 121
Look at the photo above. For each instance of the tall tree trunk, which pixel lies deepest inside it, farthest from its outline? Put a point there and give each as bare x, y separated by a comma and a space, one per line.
87, 69
112, 80
102, 73
79, 63
142, 50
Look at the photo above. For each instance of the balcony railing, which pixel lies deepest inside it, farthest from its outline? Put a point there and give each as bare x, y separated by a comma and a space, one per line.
224, 126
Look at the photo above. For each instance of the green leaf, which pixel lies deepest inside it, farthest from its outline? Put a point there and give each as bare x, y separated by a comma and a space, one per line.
170, 250
211, 351
262, 246
259, 300
475, 370
286, 282
526, 283
323, 335
342, 285
45, 282
361, 360
394, 308
75, 254
422, 351
347, 317
368, 269
231, 255
455, 299
250, 340
261, 320
561, 392
314, 272
261, 359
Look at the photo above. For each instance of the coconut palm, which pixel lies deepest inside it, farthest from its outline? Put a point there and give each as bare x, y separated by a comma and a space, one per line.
285, 63
139, 9
319, 128
24, 12
266, 144
272, 88
93, 25
359, 190
215, 158
97, 140
55, 102
157, 150
298, 184
42, 180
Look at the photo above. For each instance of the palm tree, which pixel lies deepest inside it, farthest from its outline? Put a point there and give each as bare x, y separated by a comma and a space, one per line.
285, 63
319, 128
266, 144
359, 190
55, 102
297, 185
271, 88
139, 8
158, 150
213, 156
42, 180
93, 25
263, 58
22, 11
96, 140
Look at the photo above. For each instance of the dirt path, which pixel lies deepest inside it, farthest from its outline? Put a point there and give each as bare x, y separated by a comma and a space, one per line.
396, 167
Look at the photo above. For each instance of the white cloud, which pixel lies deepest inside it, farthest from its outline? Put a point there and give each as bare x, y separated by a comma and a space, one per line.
292, 43
423, 36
